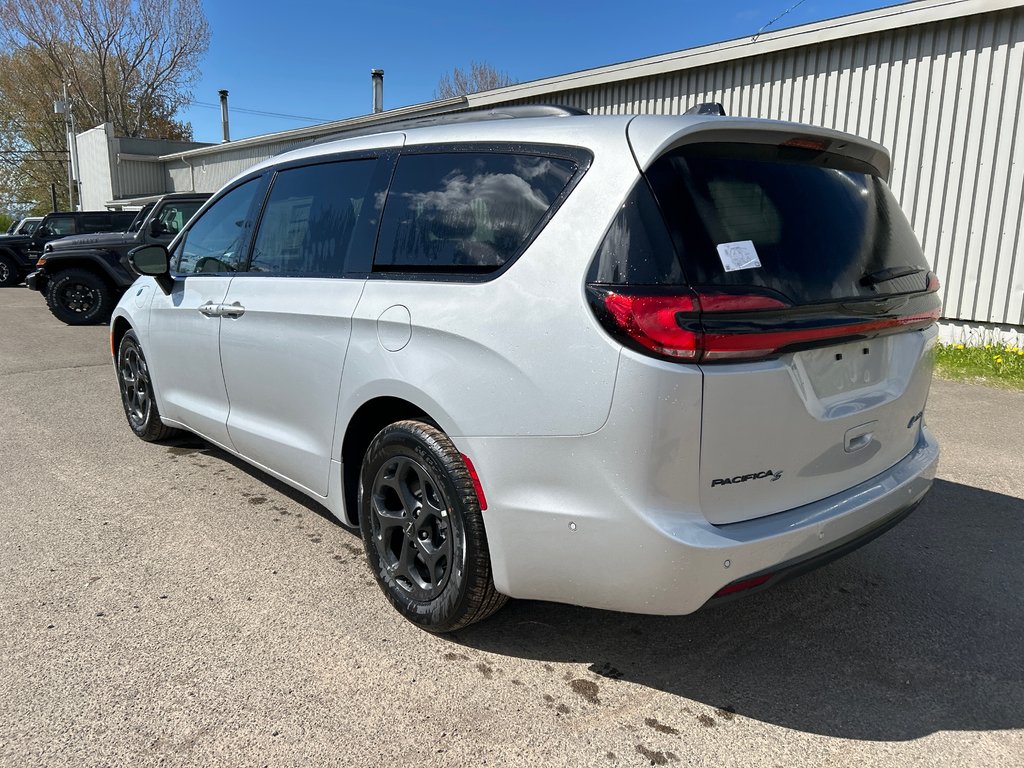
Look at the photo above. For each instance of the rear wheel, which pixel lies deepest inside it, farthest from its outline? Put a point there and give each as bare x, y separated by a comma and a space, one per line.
9, 274
80, 297
422, 529
137, 392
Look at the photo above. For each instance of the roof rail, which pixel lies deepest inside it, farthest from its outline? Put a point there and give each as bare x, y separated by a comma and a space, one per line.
448, 118
706, 108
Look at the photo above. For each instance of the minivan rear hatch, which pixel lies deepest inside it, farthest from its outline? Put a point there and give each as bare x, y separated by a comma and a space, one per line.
801, 291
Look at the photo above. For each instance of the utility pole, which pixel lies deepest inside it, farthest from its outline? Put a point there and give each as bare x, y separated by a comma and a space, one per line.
64, 108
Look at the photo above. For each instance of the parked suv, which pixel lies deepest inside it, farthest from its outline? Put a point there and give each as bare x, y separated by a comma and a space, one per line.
24, 226
632, 363
83, 277
18, 253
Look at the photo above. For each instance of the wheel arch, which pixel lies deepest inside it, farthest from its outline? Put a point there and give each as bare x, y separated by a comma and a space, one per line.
119, 326
83, 260
367, 420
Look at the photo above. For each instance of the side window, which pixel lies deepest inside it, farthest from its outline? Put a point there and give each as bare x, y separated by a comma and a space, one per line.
59, 226
173, 216
91, 224
313, 218
214, 241
466, 212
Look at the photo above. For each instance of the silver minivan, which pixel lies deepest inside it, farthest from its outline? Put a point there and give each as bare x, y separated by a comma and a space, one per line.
635, 363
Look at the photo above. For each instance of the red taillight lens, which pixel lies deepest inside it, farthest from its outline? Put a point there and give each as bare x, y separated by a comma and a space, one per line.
692, 327
933, 283
653, 322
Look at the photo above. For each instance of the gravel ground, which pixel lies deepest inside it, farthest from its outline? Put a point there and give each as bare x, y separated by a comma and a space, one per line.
167, 605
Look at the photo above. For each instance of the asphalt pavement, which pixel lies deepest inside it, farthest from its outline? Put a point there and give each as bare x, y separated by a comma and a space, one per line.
168, 605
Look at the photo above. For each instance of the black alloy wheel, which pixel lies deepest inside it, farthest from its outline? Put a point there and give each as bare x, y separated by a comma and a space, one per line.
80, 297
137, 391
411, 529
422, 528
8, 273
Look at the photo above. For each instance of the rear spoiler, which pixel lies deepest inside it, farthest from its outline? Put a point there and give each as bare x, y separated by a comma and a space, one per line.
652, 136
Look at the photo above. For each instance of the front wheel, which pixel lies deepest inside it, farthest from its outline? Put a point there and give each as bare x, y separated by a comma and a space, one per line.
9, 274
422, 529
80, 297
137, 392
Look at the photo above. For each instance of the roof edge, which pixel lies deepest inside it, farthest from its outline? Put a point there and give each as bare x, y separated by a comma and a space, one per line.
323, 129
890, 17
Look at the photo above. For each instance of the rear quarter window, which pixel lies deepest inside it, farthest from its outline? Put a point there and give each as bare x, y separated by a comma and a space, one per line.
467, 212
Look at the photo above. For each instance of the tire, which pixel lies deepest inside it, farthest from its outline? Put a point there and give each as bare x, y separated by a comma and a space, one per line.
80, 297
422, 529
9, 273
136, 387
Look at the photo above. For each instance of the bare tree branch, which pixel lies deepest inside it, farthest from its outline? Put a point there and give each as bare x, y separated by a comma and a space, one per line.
132, 63
479, 77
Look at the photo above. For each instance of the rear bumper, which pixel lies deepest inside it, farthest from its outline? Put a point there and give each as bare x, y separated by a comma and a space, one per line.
590, 548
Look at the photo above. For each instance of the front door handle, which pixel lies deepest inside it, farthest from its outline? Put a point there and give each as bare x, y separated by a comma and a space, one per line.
234, 309
210, 309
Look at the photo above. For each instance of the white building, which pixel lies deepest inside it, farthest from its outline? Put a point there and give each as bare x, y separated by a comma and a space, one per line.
938, 82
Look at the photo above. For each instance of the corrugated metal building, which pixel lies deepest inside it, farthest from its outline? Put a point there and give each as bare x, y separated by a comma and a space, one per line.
938, 82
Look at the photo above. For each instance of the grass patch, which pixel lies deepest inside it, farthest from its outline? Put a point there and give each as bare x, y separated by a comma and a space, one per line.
1001, 364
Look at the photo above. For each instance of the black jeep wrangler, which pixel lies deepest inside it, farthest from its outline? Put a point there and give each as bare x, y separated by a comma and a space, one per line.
18, 253
84, 277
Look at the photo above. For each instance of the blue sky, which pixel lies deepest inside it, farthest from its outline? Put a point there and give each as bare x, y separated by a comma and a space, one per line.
313, 57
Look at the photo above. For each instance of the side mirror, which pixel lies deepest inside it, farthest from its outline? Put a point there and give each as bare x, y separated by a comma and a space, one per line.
153, 260
157, 228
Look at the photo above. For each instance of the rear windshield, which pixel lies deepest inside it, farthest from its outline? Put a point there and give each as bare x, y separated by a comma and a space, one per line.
808, 225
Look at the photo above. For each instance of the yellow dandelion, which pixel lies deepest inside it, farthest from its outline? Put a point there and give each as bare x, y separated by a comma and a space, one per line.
998, 359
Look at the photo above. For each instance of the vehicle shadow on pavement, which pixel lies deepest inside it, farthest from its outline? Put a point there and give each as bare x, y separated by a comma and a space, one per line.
189, 444
919, 631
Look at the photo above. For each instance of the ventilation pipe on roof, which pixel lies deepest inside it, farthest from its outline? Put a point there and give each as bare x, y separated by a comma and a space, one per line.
224, 115
377, 77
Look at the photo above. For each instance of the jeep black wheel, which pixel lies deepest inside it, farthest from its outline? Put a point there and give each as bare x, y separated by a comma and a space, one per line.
9, 274
422, 529
80, 297
137, 392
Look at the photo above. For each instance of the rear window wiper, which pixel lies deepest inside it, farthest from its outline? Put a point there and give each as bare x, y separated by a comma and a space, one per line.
890, 273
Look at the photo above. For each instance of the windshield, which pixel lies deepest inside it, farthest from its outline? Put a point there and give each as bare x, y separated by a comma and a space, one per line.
139, 218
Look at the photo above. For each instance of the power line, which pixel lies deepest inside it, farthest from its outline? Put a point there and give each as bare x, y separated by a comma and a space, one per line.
260, 112
763, 28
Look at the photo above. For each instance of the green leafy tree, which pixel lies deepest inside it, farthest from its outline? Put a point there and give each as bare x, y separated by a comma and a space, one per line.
131, 63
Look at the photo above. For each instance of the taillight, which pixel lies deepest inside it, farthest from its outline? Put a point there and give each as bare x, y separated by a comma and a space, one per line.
933, 283
723, 327
653, 322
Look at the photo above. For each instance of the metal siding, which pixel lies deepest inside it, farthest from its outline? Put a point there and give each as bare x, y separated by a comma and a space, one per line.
138, 178
944, 98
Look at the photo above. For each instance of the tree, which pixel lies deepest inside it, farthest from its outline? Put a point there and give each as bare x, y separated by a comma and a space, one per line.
131, 63
479, 77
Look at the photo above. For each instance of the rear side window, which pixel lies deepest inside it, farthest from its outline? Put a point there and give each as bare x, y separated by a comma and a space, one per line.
811, 226
313, 216
466, 212
92, 224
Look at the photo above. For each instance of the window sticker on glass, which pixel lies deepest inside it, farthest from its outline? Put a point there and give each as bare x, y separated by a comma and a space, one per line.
738, 255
